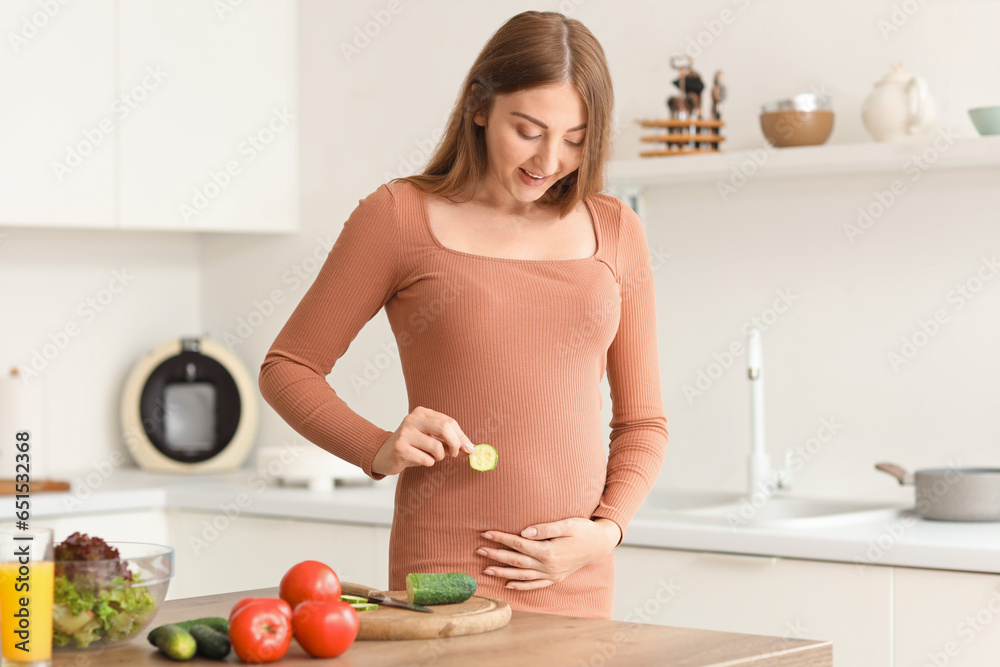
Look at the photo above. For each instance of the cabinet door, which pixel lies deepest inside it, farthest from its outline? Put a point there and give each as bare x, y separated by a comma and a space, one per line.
780, 597
147, 526
218, 553
946, 618
212, 141
59, 114
380, 578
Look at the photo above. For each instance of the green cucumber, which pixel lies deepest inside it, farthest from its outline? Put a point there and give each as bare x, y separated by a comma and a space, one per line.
215, 622
211, 643
176, 642
351, 599
364, 606
439, 588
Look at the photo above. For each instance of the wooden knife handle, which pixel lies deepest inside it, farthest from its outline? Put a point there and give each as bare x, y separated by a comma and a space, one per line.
347, 588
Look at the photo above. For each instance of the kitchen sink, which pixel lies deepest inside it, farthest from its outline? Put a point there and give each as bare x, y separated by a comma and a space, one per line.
736, 510
687, 501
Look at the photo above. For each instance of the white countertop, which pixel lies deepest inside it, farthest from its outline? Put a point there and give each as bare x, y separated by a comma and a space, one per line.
887, 537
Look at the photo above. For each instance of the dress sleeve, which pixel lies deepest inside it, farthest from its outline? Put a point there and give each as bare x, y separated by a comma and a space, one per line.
638, 425
356, 280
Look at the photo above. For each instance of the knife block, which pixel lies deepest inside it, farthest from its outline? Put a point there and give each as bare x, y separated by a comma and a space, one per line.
682, 137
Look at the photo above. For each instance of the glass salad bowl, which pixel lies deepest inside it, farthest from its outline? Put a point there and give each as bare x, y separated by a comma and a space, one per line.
106, 593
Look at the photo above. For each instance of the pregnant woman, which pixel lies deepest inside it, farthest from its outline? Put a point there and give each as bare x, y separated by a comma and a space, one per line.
512, 284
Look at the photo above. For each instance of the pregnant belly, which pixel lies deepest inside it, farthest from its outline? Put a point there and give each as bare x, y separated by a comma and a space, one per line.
526, 489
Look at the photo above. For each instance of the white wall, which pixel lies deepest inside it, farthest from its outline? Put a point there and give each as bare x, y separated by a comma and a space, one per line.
80, 307
827, 357
360, 119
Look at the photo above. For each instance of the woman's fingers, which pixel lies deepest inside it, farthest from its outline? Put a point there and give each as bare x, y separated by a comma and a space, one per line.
423, 438
537, 551
431, 448
516, 573
445, 429
546, 553
415, 456
529, 585
513, 558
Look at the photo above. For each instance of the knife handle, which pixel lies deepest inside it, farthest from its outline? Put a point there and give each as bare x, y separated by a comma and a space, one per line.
347, 588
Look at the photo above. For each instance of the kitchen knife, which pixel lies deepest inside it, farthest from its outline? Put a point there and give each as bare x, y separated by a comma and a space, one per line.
372, 595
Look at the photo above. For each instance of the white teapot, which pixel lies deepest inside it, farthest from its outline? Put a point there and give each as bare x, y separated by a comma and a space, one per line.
899, 108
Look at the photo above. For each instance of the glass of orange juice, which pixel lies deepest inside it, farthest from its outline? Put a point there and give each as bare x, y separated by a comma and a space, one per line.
27, 573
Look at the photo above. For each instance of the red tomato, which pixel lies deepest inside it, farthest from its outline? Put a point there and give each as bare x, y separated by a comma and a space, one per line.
309, 580
325, 628
283, 606
260, 631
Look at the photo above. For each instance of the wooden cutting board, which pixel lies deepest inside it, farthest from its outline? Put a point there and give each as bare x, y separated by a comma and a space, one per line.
8, 487
475, 615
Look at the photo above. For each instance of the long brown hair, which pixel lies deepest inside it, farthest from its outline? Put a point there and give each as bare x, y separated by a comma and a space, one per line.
531, 49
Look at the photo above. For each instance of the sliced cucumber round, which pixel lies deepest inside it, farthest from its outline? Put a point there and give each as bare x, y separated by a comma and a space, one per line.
483, 457
364, 606
352, 599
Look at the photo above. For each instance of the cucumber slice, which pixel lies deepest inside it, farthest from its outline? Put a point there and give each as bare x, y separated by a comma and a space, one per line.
483, 457
364, 606
353, 599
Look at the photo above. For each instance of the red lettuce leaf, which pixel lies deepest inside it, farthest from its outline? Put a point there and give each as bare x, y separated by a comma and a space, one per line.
75, 556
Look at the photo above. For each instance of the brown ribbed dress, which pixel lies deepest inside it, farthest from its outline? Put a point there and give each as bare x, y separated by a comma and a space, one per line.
515, 351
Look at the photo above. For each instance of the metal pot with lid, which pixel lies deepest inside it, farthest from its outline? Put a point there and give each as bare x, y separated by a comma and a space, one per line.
952, 494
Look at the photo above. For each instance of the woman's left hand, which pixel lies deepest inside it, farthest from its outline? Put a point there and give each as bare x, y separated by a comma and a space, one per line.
549, 552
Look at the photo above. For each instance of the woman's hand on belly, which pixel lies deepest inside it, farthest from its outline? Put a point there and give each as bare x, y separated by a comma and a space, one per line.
551, 553
423, 438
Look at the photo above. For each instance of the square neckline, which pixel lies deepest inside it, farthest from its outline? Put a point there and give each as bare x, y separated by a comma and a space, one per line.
441, 246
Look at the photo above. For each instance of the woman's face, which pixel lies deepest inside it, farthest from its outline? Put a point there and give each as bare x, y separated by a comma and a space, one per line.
532, 133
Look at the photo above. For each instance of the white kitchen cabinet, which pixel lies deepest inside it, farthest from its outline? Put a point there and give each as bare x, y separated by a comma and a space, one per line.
59, 114
147, 526
780, 597
213, 143
218, 553
381, 557
946, 618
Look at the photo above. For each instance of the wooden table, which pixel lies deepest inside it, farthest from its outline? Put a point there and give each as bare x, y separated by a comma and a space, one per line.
529, 639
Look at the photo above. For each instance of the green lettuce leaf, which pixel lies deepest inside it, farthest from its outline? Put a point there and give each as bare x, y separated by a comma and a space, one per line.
111, 613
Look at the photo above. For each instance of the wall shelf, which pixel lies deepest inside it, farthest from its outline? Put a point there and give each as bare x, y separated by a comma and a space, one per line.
936, 151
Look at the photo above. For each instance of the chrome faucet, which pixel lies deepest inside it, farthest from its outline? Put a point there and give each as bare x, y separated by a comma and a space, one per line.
760, 476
